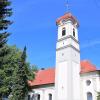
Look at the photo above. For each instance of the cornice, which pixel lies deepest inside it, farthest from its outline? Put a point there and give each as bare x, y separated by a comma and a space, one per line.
70, 36
67, 47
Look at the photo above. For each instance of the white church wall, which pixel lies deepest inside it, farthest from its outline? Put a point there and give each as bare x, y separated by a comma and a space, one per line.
47, 92
68, 67
61, 84
98, 83
93, 87
43, 92
75, 78
67, 62
67, 42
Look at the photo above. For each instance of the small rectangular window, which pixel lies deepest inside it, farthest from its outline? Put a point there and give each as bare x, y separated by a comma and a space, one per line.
63, 31
50, 96
38, 97
74, 32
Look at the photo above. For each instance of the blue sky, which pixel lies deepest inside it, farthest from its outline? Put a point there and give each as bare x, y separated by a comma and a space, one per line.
34, 26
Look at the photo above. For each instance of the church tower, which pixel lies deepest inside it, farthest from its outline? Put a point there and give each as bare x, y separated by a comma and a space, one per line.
67, 81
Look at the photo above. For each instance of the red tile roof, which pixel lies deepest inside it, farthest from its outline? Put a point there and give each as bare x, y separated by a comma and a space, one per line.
67, 16
47, 76
86, 66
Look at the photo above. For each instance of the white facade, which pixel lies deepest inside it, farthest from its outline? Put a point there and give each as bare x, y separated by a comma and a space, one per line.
67, 62
90, 83
44, 93
69, 83
93, 88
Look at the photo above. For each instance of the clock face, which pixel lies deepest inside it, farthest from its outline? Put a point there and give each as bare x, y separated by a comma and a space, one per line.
63, 21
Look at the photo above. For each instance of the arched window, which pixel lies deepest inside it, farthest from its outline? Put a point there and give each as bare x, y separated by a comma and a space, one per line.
38, 96
28, 97
73, 32
63, 31
34, 97
50, 96
89, 96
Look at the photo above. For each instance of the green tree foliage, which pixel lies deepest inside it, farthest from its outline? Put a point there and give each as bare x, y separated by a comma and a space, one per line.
9, 70
5, 12
3, 53
13, 66
98, 97
10, 62
22, 75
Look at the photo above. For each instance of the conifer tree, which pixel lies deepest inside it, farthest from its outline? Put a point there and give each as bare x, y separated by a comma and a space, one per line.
8, 68
20, 88
5, 12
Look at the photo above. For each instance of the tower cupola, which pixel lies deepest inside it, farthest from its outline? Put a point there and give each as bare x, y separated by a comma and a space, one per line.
65, 18
67, 31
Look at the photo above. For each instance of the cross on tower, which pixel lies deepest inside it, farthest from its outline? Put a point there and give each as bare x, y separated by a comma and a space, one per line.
67, 5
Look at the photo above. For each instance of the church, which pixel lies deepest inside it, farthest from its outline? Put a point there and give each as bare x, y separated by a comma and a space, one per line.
71, 79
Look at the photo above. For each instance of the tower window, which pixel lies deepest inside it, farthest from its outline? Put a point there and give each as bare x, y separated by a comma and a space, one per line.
50, 96
38, 97
63, 31
73, 32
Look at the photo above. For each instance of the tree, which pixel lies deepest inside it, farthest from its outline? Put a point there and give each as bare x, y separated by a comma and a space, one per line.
98, 97
22, 74
10, 56
9, 69
4, 23
10, 62
4, 13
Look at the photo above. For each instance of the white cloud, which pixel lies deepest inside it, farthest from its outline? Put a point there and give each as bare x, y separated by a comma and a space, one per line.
90, 44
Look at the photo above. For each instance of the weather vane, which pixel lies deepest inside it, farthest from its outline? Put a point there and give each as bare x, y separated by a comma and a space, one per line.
67, 5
